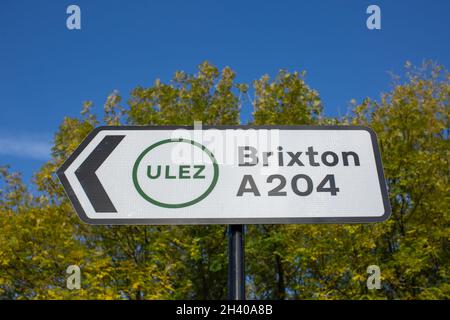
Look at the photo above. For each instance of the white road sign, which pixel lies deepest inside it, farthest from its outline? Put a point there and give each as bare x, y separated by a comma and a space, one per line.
227, 175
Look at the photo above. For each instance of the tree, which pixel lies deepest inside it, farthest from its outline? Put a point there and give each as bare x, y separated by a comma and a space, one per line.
40, 234
330, 261
412, 123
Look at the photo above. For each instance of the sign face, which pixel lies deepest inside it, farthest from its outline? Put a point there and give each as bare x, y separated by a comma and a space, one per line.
227, 175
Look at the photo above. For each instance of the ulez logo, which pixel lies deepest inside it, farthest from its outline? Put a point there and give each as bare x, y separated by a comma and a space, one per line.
175, 173
180, 175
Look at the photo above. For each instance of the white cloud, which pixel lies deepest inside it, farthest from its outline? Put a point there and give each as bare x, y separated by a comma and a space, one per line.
32, 146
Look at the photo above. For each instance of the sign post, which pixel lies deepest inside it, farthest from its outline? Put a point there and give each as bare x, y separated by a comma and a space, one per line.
236, 272
232, 175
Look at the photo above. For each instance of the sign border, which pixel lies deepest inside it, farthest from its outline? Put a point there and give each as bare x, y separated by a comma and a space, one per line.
202, 221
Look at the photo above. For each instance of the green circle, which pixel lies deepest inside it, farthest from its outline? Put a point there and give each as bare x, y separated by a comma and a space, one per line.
176, 205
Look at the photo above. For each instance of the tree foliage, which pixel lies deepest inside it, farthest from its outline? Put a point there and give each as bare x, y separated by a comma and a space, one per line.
40, 234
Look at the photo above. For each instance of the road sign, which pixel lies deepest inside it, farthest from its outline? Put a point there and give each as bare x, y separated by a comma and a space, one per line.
227, 175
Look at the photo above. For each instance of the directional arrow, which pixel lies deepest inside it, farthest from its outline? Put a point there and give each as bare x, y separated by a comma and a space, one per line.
88, 179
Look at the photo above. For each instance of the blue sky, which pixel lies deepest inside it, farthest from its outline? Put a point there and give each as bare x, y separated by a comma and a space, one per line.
47, 71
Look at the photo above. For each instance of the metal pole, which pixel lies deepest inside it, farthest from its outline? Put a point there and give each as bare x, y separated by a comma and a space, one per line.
236, 277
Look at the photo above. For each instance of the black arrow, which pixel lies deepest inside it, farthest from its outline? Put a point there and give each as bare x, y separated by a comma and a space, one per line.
89, 180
